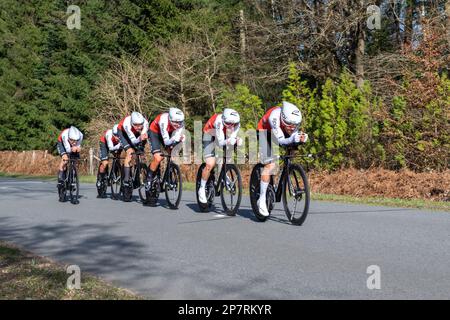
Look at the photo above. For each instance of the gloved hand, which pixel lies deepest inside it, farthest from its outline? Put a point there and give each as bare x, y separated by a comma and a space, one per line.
231, 141
303, 137
295, 137
176, 138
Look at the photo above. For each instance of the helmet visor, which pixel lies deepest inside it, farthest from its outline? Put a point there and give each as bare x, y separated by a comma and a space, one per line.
73, 141
177, 124
138, 127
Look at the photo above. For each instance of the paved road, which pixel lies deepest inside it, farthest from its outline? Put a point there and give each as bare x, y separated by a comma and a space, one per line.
184, 254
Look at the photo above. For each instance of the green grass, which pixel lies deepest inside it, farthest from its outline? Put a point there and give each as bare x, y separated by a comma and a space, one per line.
393, 202
83, 179
27, 276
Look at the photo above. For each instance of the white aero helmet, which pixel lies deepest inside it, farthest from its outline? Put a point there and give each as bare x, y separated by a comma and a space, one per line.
74, 133
290, 114
230, 117
115, 129
137, 118
176, 115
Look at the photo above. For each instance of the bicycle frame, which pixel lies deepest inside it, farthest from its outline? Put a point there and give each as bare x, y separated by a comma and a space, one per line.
165, 178
115, 158
220, 180
287, 159
71, 163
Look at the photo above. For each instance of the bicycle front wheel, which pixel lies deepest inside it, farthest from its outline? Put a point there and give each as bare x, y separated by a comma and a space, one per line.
296, 195
231, 190
173, 187
74, 187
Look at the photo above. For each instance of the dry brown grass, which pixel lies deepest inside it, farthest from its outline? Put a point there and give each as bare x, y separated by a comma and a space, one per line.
34, 162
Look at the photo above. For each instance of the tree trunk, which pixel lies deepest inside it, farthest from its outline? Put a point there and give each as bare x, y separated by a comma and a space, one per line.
408, 25
359, 54
447, 12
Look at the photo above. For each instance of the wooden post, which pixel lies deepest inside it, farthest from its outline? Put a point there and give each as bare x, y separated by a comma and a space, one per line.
91, 161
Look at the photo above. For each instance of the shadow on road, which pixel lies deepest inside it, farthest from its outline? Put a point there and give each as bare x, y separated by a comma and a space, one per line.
143, 267
92, 246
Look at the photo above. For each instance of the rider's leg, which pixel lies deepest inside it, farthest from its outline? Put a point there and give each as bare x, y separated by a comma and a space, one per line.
62, 167
103, 163
265, 179
126, 144
210, 161
157, 158
126, 165
155, 142
210, 164
265, 140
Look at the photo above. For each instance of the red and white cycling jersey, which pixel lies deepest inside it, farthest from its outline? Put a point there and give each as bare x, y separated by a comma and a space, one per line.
132, 134
161, 125
216, 128
111, 140
64, 139
272, 121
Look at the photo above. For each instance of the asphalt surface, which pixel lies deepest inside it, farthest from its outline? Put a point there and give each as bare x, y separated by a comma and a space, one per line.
184, 254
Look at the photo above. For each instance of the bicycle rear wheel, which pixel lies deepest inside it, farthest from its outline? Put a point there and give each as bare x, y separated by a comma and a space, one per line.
116, 180
127, 191
205, 207
296, 195
173, 187
142, 182
101, 190
255, 182
231, 190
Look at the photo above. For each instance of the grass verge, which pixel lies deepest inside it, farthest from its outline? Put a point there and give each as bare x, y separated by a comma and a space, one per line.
391, 202
27, 276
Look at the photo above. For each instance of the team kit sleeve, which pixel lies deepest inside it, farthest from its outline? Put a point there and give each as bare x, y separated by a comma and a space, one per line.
220, 136
163, 126
109, 141
65, 141
130, 133
275, 122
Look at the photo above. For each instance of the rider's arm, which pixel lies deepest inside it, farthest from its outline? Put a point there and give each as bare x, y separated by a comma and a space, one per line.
220, 135
235, 131
65, 141
163, 125
275, 124
176, 135
130, 133
110, 142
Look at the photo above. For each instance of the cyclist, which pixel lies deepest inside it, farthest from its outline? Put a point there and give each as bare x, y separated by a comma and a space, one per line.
283, 123
221, 129
133, 133
69, 143
109, 142
166, 129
